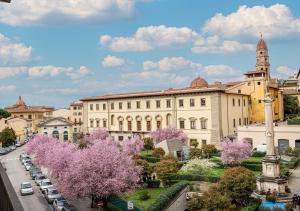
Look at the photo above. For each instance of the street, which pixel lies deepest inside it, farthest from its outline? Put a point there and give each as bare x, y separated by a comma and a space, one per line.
18, 174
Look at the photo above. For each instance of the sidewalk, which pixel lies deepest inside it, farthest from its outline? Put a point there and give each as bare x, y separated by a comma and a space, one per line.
294, 181
84, 205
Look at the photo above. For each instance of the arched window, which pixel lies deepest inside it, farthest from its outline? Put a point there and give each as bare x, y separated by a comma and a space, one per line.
45, 133
168, 120
55, 134
66, 136
112, 118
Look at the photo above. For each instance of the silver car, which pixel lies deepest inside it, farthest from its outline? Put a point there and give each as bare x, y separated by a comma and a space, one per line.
51, 194
39, 178
46, 183
26, 188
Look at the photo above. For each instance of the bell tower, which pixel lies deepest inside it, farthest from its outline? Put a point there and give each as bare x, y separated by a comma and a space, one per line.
262, 58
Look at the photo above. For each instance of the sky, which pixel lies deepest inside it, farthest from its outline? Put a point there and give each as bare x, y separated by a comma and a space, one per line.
59, 51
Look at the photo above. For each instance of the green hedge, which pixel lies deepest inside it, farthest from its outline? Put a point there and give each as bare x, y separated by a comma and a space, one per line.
150, 159
165, 198
111, 207
294, 121
252, 166
196, 177
293, 163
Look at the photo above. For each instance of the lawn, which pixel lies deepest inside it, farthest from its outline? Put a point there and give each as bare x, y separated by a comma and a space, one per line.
255, 159
143, 205
220, 172
146, 152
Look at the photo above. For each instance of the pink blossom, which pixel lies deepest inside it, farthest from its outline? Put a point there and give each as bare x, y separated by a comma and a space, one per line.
96, 135
133, 146
234, 152
167, 134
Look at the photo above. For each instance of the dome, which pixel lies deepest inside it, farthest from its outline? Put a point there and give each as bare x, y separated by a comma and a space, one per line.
20, 102
199, 83
261, 45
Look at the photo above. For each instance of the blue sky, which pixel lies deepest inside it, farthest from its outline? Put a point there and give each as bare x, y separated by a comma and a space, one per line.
53, 53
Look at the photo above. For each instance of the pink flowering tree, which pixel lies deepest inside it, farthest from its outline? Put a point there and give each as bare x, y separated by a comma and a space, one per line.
96, 135
234, 152
167, 134
102, 169
133, 146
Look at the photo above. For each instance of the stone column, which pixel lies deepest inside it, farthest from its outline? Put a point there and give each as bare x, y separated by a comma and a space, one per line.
269, 126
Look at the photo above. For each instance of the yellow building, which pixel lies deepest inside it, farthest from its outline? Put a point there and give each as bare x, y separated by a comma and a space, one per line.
18, 124
255, 86
35, 114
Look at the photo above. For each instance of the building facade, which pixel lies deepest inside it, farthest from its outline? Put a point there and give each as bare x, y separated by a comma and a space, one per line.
18, 124
76, 116
204, 112
291, 86
34, 114
57, 127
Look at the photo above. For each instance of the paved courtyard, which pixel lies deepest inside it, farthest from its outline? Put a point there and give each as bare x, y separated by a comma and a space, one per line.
294, 181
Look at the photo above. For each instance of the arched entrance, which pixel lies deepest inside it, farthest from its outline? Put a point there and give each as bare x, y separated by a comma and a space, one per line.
55, 134
66, 136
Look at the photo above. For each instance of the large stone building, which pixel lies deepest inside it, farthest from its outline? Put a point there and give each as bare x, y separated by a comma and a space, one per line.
291, 86
205, 112
35, 114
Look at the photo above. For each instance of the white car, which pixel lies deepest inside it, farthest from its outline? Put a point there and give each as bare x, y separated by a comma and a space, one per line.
28, 166
26, 188
39, 178
51, 194
46, 183
18, 144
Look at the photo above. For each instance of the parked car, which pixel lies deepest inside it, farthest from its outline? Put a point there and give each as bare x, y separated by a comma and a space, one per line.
12, 147
68, 207
26, 188
3, 152
39, 178
7, 149
18, 144
58, 203
51, 194
46, 183
28, 166
23, 155
34, 171
25, 160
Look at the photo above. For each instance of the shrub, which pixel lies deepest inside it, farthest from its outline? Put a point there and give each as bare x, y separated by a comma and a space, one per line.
293, 152
112, 207
238, 183
194, 143
164, 198
208, 150
144, 195
284, 171
197, 166
259, 154
195, 153
252, 166
293, 163
169, 157
153, 183
148, 143
158, 152
150, 159
146, 167
165, 169
294, 121
196, 177
196, 203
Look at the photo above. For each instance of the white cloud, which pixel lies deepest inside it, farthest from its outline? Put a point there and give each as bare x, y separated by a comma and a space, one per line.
214, 45
211, 70
171, 63
7, 72
273, 21
57, 91
44, 71
286, 71
150, 37
9, 88
12, 52
112, 61
27, 12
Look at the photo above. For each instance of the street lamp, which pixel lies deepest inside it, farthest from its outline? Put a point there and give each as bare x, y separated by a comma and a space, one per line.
7, 1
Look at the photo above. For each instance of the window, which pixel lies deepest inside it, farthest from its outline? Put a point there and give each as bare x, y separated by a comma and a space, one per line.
239, 91
112, 106
158, 104
259, 101
120, 125
233, 102
55, 134
181, 124
148, 125
245, 121
120, 105
168, 119
240, 121
104, 107
29, 116
128, 105
203, 102
234, 123
97, 123
258, 83
203, 123
97, 107
204, 142
193, 124
192, 102
147, 104
112, 118
91, 107
75, 130
180, 103
91, 123
244, 102
239, 102
138, 104
21, 115
129, 124
66, 136
74, 107
139, 125
158, 124
74, 113
104, 123
79, 113
168, 102
120, 138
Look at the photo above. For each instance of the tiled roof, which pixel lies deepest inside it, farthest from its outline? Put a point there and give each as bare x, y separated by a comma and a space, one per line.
291, 92
22, 109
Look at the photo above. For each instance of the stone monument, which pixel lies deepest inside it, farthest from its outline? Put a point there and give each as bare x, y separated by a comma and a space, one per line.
271, 180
